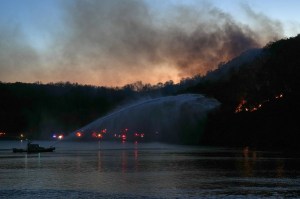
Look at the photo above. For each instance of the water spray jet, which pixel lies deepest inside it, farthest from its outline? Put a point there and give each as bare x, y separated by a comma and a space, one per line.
159, 119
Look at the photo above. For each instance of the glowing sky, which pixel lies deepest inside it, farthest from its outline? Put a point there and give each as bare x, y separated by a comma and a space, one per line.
112, 43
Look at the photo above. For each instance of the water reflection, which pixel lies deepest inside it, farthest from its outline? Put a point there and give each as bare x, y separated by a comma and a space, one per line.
249, 162
124, 161
280, 168
99, 161
136, 156
156, 171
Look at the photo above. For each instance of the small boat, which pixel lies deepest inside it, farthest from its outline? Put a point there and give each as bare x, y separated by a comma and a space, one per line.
33, 148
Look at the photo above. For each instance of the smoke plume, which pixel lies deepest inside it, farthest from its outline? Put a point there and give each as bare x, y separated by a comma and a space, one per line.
113, 43
125, 41
18, 60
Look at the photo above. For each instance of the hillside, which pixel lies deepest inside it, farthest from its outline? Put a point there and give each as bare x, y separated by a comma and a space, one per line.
260, 100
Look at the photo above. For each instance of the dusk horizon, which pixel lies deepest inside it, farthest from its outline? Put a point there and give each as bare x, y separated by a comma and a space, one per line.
104, 43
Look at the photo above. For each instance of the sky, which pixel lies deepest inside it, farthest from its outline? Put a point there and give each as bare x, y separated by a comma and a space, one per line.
117, 42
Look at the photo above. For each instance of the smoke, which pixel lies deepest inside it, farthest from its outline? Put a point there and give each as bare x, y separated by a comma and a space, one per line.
112, 43
125, 41
18, 60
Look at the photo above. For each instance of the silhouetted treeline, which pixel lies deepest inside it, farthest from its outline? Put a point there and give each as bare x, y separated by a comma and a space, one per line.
34, 108
37, 110
268, 87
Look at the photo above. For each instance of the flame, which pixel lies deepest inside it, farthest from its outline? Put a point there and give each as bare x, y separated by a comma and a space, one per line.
242, 106
239, 108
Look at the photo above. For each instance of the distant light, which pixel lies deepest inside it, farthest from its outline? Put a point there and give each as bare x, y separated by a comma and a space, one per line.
99, 135
60, 137
54, 136
78, 134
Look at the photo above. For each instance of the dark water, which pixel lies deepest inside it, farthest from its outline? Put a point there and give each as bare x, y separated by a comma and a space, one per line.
128, 170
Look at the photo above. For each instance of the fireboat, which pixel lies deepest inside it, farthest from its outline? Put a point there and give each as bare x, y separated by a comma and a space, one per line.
33, 148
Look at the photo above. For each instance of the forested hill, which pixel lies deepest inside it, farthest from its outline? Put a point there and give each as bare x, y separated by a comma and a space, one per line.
259, 93
260, 100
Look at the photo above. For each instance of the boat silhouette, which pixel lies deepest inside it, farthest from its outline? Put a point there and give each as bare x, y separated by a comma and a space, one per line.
33, 148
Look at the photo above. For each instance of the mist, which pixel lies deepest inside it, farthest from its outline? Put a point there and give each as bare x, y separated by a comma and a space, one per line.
113, 43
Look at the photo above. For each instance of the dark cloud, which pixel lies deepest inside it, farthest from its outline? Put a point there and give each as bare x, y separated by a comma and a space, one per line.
268, 29
117, 42
127, 41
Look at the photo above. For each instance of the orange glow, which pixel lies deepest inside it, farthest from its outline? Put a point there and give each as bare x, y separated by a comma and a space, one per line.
61, 137
239, 108
279, 96
242, 105
78, 134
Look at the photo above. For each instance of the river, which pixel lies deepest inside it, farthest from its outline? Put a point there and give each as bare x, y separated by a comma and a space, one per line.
146, 170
